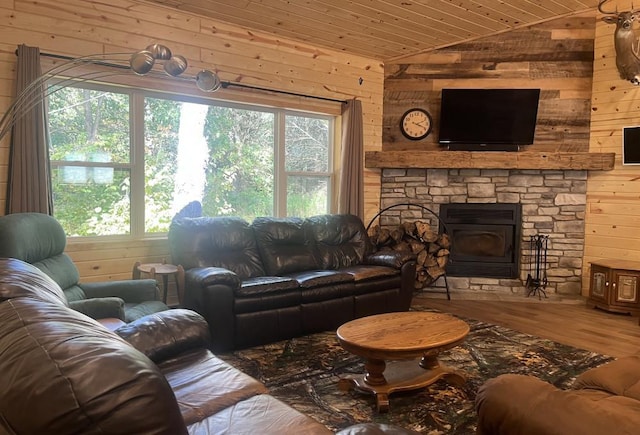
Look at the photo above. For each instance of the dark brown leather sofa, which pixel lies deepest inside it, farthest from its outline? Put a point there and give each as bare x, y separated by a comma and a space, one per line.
603, 400
279, 278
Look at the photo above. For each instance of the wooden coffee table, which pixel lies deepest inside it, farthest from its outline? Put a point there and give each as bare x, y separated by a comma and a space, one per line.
400, 338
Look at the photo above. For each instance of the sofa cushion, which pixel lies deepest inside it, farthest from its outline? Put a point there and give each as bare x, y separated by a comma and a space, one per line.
321, 278
262, 414
204, 384
266, 293
226, 242
266, 285
284, 245
134, 311
340, 239
63, 372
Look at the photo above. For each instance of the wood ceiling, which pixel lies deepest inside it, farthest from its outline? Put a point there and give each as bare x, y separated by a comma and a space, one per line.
382, 29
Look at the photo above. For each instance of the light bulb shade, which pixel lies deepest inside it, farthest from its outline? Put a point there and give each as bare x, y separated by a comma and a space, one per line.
142, 62
159, 51
208, 81
175, 66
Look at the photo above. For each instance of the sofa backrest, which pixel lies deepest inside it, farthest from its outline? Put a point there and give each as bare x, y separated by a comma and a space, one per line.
227, 242
23, 280
39, 239
62, 372
284, 245
341, 240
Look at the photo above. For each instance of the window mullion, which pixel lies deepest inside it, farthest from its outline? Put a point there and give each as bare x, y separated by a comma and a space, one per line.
137, 164
280, 182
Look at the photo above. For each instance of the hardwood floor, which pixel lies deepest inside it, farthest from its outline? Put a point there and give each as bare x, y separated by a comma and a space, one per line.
570, 323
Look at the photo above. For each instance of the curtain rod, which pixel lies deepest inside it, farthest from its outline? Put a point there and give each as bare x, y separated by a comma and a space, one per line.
224, 83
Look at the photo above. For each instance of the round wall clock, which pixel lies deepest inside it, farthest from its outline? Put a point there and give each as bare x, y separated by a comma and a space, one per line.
415, 124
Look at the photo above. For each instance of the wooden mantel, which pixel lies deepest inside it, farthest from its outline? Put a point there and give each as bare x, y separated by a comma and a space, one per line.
490, 160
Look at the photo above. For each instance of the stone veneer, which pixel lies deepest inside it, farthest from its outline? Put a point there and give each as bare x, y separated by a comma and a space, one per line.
553, 204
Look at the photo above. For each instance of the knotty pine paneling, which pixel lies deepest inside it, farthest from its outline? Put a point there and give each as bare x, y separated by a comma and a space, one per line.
556, 57
383, 29
81, 27
613, 197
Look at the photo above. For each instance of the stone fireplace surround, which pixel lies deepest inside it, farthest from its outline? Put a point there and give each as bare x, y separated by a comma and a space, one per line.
553, 204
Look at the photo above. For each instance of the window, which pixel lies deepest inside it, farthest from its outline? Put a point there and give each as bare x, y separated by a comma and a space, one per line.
125, 161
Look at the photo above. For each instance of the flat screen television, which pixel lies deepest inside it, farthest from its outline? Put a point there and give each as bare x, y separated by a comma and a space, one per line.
492, 119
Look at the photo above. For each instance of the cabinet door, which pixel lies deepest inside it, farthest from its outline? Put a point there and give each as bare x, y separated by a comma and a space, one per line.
599, 286
625, 287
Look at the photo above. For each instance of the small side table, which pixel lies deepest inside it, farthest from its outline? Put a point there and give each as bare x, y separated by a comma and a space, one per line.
164, 270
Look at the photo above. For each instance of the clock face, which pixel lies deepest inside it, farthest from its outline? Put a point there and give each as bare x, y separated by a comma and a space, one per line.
415, 124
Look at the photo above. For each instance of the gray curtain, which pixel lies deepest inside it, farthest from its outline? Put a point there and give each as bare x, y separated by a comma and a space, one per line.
29, 183
351, 191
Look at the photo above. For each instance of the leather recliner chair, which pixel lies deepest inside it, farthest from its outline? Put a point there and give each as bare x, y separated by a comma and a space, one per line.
39, 239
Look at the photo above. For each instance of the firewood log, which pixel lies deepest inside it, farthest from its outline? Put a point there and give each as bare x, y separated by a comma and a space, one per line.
433, 248
422, 228
383, 237
401, 247
430, 261
442, 261
435, 272
397, 234
416, 246
422, 258
444, 240
409, 228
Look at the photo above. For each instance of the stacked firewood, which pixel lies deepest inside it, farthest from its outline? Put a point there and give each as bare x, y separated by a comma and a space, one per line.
430, 247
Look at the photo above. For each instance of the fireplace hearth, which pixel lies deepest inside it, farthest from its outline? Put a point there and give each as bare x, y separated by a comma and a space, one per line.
485, 239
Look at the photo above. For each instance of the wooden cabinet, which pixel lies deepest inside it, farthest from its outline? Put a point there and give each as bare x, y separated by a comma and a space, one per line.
615, 286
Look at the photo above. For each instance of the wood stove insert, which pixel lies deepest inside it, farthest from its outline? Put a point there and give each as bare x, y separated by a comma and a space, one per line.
485, 239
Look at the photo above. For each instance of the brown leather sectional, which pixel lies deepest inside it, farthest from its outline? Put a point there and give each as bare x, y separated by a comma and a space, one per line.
278, 278
603, 400
64, 373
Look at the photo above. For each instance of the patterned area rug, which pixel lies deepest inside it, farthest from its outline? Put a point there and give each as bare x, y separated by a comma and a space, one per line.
304, 373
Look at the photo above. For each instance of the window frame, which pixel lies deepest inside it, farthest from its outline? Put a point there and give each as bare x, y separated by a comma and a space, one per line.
280, 107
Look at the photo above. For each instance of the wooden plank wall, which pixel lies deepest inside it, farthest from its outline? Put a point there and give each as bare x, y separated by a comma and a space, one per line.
613, 197
556, 57
81, 27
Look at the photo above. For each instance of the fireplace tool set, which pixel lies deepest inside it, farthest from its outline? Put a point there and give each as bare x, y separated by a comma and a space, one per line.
537, 277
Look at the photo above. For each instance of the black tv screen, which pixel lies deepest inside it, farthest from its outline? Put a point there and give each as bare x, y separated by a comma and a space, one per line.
488, 116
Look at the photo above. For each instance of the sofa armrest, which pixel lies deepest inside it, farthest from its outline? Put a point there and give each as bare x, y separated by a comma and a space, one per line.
618, 377
100, 308
389, 258
518, 405
166, 334
131, 290
211, 292
206, 276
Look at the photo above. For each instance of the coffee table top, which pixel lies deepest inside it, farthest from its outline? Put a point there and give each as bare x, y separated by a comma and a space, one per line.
401, 335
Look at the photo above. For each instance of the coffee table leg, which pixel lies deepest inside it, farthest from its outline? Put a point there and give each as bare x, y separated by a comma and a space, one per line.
373, 381
374, 369
358, 382
382, 402
429, 362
